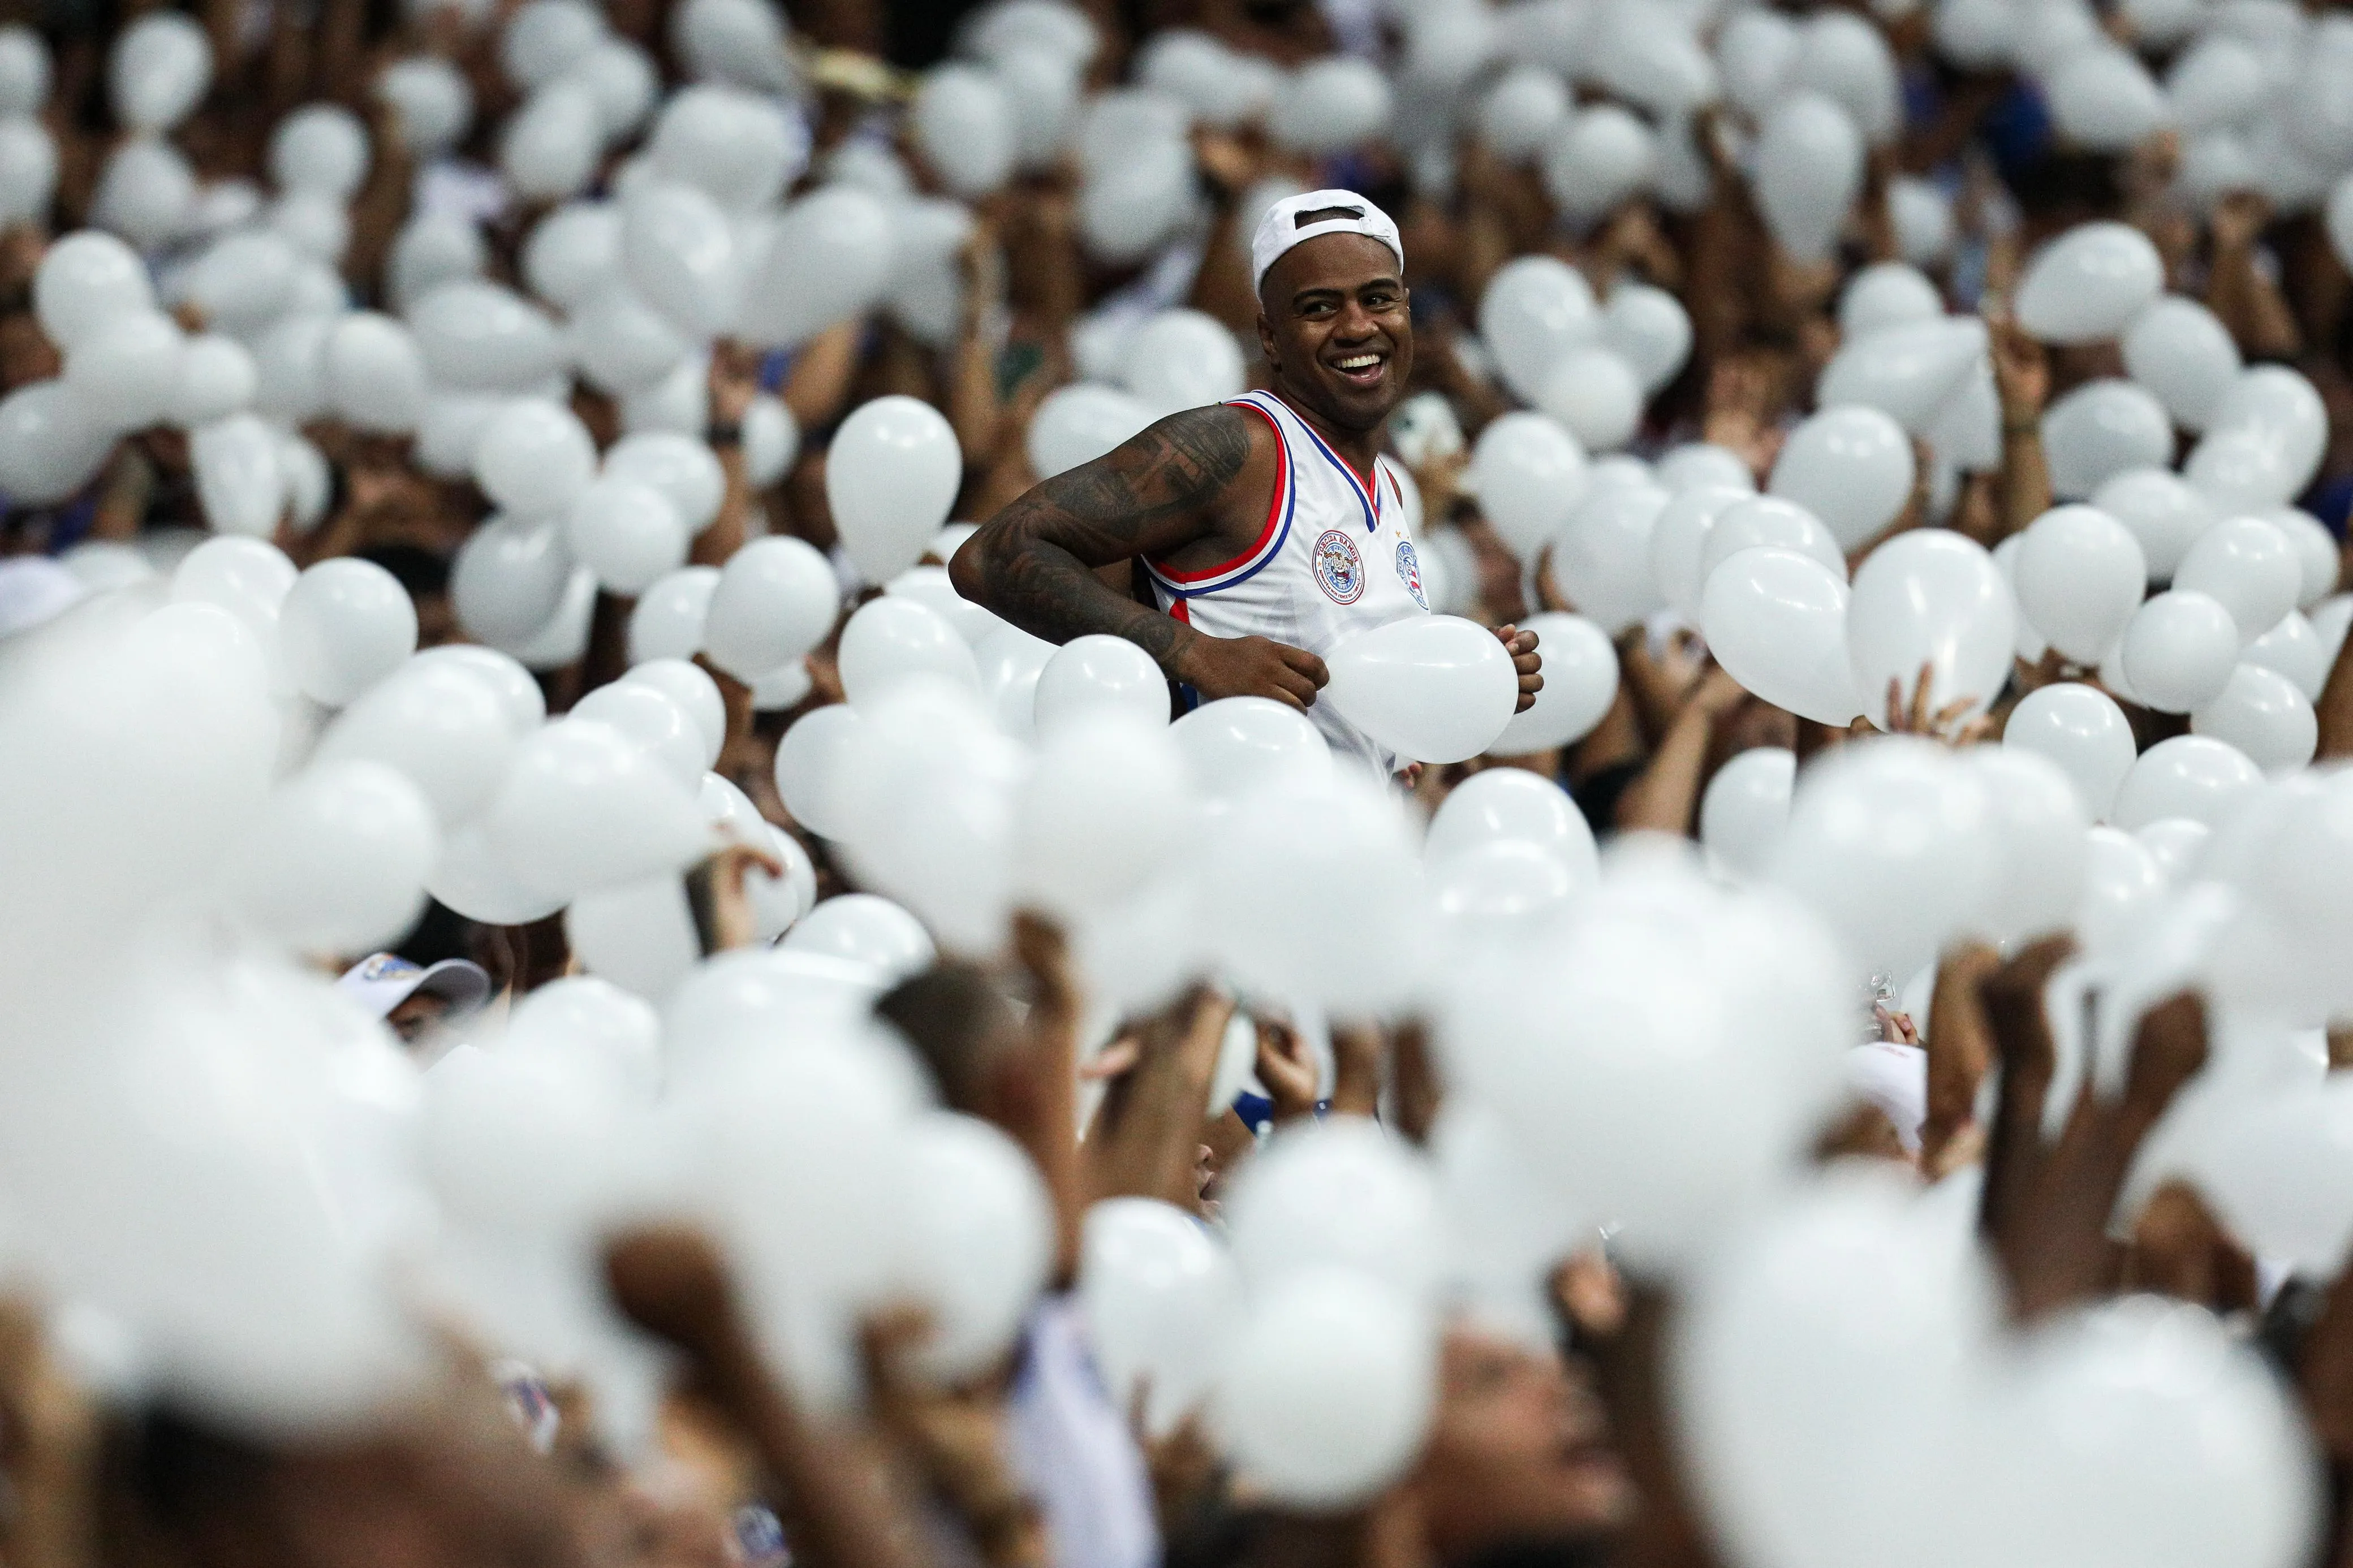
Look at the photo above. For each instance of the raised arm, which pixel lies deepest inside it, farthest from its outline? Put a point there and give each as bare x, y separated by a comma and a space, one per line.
1184, 482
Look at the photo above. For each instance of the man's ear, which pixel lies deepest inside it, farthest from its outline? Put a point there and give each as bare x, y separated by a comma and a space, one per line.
1266, 342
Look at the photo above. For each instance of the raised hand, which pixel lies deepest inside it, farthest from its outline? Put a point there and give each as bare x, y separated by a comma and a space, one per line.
1527, 660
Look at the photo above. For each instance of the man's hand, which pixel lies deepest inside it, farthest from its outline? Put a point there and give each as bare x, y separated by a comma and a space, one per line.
1522, 647
1249, 667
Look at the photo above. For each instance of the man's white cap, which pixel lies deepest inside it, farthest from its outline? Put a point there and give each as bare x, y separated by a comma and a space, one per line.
1348, 212
382, 981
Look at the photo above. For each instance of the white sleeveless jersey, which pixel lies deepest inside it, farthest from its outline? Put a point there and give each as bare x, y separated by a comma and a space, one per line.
1332, 560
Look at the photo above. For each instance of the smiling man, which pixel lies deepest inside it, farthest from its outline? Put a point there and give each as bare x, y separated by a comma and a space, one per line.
1270, 527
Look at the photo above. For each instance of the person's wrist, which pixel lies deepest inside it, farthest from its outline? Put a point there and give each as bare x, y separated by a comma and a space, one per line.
1177, 663
725, 432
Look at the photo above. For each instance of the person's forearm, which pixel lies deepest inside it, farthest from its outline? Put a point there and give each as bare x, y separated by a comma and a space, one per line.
729, 529
1357, 1052
818, 383
2335, 707
1663, 799
2025, 483
1049, 593
973, 407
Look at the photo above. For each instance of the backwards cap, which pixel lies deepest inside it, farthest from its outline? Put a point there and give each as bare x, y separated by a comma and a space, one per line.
1281, 228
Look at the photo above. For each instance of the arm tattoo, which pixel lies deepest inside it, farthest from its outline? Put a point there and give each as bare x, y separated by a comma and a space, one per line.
1158, 491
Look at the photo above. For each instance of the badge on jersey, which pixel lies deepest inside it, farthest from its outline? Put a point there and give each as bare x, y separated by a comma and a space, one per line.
1409, 571
1339, 569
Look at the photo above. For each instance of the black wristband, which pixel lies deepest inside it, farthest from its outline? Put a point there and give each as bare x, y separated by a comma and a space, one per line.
730, 435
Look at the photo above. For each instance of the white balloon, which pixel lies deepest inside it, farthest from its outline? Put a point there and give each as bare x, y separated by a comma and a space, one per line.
1772, 522
375, 375
1776, 620
1100, 813
478, 337
338, 864
87, 281
737, 41
1846, 58
159, 70
1235, 744
2248, 565
549, 150
442, 725
1595, 394
894, 639
2088, 284
24, 71
1602, 558
2082, 729
777, 600
891, 475
2294, 648
2166, 515
668, 621
123, 377
2181, 351
1092, 674
2104, 100
1754, 51
1852, 467
508, 579
653, 721
28, 169
1580, 683
147, 192
1745, 806
828, 261
574, 253
1181, 359
809, 758
1497, 805
2262, 714
1330, 105
546, 37
1520, 111
1650, 331
772, 440
1931, 599
1678, 535
1911, 371
2178, 651
1160, 1297
2037, 841
2079, 574
1529, 474
343, 625
320, 147
431, 249
239, 481
866, 929
964, 124
1536, 310
1326, 1392
583, 807
1808, 173
627, 533
1892, 841
1597, 159
1434, 688
734, 145
534, 459
432, 105
2101, 429
1886, 294
679, 252
2196, 777
1078, 422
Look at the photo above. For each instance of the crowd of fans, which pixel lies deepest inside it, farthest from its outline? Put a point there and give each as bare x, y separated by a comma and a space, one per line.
433, 436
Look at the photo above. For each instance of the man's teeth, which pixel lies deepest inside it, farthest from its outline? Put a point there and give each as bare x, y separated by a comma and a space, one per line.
1360, 362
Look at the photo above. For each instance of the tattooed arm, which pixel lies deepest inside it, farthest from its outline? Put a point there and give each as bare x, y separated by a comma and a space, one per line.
1195, 479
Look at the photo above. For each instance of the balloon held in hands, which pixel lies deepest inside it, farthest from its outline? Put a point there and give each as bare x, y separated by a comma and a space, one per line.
1437, 689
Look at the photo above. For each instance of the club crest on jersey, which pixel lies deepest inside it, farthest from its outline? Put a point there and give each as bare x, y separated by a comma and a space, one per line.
1409, 571
1339, 569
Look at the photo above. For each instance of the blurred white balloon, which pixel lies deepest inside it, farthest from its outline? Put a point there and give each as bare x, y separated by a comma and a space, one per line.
343, 627
777, 600
1930, 607
2262, 714
1529, 474
2079, 575
2165, 514
891, 477
1181, 359
1078, 422
2101, 429
338, 864
159, 70
2181, 351
1745, 806
1435, 688
2089, 283
2249, 566
1580, 682
534, 459
1777, 621
2194, 776
1852, 467
1809, 171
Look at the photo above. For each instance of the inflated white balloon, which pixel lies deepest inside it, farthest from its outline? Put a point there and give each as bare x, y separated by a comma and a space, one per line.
1808, 173
1931, 599
2103, 100
1078, 422
1327, 1392
866, 929
86, 282
2265, 716
2163, 512
1679, 534
737, 41
894, 639
583, 807
343, 625
534, 459
161, 66
549, 146
28, 169
508, 579
146, 193
1513, 805
1095, 673
546, 37
1771, 522
2196, 777
216, 379
239, 481
1852, 467
1100, 813
2178, 651
828, 259
518, 693
734, 145
1521, 110
964, 124
1181, 359
2038, 842
654, 723
891, 475
1650, 331
1745, 806
1777, 621
679, 253
1602, 558
627, 533
1580, 682
2294, 648
24, 71
1235, 744
374, 374
2079, 575
1911, 371
2249, 566
2087, 284
432, 104
1886, 294
2101, 429
668, 621
443, 726
1596, 160
1892, 840
1595, 394
807, 758
1530, 475
2180, 351
777, 600
1330, 105
478, 337
1159, 1295
337, 865
1536, 310
320, 147
1435, 688
123, 377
